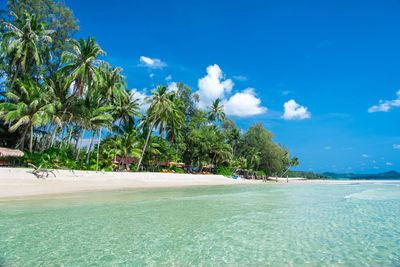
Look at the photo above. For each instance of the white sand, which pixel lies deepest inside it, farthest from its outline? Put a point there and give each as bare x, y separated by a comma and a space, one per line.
16, 182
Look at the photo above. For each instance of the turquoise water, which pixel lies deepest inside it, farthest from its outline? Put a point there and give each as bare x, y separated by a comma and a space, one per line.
278, 225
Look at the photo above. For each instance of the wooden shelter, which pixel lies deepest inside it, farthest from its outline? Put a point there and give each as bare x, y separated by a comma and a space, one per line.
6, 153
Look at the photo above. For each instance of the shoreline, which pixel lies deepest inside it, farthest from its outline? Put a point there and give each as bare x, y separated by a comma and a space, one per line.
20, 182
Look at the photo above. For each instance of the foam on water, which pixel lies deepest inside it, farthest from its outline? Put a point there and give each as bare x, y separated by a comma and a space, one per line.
278, 225
377, 194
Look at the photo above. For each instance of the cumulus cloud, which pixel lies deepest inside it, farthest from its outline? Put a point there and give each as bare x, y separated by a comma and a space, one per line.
389, 163
396, 146
172, 87
244, 104
213, 86
386, 105
364, 156
142, 96
294, 111
153, 63
168, 78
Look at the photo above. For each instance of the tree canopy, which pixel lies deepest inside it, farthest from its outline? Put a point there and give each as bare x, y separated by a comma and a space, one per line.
68, 107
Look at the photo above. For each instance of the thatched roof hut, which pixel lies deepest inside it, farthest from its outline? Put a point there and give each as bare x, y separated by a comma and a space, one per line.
6, 152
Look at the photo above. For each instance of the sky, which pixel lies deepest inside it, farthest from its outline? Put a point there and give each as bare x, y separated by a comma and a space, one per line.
323, 76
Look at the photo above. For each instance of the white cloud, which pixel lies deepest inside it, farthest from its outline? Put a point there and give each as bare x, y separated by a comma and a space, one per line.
168, 78
396, 146
386, 105
240, 78
364, 156
151, 75
376, 167
212, 86
244, 104
172, 87
389, 163
328, 148
142, 96
286, 92
154, 63
294, 111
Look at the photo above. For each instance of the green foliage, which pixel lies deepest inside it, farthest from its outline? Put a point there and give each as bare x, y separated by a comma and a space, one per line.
222, 170
309, 175
261, 152
57, 93
177, 170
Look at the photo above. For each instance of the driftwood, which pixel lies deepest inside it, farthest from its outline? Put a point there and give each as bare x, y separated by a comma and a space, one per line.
41, 173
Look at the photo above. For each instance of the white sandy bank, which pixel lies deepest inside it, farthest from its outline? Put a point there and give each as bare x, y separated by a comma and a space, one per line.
16, 182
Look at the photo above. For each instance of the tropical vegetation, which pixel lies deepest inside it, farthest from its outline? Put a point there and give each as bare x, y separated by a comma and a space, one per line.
67, 107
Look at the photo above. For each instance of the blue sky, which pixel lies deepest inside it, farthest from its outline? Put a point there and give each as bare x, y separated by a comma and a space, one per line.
334, 59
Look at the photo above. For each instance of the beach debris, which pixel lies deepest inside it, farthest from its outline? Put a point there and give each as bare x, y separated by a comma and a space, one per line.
41, 173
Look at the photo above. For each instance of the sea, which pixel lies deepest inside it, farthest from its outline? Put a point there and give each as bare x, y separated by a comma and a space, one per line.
352, 224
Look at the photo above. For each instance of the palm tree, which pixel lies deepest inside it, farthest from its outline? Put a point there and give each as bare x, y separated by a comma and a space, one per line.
216, 111
98, 118
125, 108
127, 146
112, 82
23, 41
161, 109
28, 106
82, 64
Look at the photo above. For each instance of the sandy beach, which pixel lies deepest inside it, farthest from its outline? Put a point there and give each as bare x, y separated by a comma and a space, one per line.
19, 182
16, 182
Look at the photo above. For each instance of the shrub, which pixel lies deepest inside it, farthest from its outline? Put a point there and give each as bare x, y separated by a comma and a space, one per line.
222, 170
178, 170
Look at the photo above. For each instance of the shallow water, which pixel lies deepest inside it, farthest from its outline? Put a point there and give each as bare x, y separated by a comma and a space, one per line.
279, 225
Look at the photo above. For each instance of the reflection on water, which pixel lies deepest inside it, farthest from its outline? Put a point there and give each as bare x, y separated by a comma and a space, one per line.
224, 225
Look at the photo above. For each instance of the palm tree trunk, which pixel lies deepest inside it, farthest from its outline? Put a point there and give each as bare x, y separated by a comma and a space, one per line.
22, 140
90, 147
115, 147
15, 76
53, 137
145, 144
47, 137
98, 148
77, 140
79, 148
62, 136
31, 137
70, 134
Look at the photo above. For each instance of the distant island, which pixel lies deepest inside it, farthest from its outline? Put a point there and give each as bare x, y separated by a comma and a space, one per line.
333, 175
384, 175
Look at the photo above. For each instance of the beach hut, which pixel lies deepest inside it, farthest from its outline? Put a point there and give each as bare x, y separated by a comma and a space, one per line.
7, 153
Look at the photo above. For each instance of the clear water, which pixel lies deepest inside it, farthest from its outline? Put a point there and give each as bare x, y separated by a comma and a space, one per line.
278, 225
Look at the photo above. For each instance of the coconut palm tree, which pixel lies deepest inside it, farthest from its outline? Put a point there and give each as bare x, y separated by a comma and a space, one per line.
216, 111
125, 108
127, 146
112, 82
81, 64
28, 106
23, 41
161, 109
